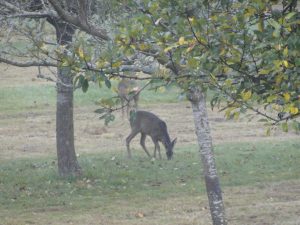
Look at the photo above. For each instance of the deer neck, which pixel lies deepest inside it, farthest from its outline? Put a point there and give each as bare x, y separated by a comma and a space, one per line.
166, 140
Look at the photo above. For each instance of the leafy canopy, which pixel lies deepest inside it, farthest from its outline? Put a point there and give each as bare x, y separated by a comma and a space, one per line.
247, 50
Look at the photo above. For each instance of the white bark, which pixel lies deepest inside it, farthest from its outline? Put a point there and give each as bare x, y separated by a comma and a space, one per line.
214, 193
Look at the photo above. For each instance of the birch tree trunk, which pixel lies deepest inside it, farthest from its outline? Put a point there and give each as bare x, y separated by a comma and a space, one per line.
67, 160
198, 100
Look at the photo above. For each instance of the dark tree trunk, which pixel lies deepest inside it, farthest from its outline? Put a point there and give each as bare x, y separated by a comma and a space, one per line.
213, 189
67, 160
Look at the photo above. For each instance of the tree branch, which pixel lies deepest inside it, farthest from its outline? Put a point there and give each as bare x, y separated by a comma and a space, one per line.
29, 15
82, 24
123, 68
28, 63
10, 6
220, 88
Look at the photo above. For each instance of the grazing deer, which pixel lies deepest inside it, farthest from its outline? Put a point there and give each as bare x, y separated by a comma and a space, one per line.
147, 123
128, 91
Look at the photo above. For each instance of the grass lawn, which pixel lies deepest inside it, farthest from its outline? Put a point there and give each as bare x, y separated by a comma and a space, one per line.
111, 182
259, 176
19, 99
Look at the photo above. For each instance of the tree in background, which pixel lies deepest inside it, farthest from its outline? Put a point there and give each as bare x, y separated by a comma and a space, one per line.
53, 34
27, 22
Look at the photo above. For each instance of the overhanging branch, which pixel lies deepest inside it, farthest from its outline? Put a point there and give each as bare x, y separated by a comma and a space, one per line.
81, 23
10, 6
29, 15
27, 63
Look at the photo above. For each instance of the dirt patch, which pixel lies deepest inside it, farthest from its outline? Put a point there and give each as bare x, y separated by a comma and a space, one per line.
269, 204
33, 134
15, 76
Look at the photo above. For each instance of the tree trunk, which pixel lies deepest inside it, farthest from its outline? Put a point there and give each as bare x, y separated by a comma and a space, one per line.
67, 160
198, 100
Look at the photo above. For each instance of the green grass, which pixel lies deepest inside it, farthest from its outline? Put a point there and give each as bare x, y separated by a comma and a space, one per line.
34, 98
23, 98
35, 184
250, 163
32, 185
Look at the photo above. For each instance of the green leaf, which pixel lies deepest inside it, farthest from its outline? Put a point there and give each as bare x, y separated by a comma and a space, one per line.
109, 118
100, 83
263, 120
268, 131
290, 15
108, 102
274, 24
117, 64
78, 79
192, 62
85, 85
285, 127
296, 126
228, 112
103, 116
294, 110
107, 83
100, 111
264, 71
246, 95
236, 116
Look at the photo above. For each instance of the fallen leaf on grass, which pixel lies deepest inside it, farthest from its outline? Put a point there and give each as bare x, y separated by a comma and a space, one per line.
139, 215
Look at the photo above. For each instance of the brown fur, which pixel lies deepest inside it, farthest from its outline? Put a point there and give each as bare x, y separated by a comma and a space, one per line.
128, 91
149, 124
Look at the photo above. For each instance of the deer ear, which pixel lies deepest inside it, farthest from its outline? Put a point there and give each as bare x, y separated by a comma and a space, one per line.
174, 141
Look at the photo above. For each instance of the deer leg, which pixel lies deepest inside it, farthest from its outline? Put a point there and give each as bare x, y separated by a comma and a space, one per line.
128, 140
127, 108
142, 142
122, 104
158, 148
154, 154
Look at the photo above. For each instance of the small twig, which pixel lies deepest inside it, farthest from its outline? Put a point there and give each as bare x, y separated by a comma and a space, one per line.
194, 33
219, 87
28, 63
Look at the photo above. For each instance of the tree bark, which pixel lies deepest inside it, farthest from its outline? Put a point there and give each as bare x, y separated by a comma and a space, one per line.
67, 160
198, 100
